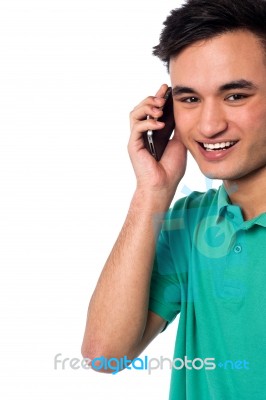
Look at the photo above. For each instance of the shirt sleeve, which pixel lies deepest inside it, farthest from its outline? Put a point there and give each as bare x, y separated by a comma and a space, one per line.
165, 290
169, 281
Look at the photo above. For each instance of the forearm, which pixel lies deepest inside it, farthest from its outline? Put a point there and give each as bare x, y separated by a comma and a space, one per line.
118, 308
118, 320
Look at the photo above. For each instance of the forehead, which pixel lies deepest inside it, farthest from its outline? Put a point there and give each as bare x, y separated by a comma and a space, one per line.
230, 56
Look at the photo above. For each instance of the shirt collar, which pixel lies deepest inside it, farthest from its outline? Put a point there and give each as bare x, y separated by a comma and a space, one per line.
225, 204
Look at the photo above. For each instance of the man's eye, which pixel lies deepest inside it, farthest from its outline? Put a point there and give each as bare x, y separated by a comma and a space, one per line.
190, 100
236, 97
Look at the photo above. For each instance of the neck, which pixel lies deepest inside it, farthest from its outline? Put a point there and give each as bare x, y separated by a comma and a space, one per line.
248, 192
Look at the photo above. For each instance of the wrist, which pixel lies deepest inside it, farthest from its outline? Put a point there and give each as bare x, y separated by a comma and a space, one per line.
152, 201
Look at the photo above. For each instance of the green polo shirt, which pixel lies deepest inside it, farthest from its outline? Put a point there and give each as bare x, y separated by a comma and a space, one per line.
210, 267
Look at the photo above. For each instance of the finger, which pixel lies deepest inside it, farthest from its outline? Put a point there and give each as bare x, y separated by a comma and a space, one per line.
157, 100
150, 101
141, 113
143, 126
161, 92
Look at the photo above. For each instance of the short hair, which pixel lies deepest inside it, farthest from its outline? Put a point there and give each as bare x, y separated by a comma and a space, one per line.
204, 19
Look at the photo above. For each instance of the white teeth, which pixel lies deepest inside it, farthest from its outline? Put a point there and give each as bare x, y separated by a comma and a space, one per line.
222, 145
217, 145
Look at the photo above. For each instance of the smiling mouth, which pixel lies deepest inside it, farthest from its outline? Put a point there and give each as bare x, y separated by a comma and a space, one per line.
217, 146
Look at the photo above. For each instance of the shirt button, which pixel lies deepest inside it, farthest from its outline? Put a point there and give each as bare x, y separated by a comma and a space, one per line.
230, 215
238, 249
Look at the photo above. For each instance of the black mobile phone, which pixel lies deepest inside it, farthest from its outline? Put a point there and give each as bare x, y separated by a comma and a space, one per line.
156, 141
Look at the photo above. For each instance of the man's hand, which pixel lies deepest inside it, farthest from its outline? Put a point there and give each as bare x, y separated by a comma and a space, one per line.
154, 176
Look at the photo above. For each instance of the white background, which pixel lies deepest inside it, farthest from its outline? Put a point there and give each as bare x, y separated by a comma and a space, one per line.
70, 73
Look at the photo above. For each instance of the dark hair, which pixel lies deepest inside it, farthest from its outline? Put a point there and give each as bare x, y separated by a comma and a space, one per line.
203, 19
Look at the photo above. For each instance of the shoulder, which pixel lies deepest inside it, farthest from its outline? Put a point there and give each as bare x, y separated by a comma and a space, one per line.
188, 211
198, 202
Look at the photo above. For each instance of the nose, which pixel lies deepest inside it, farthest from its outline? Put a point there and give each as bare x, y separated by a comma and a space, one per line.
212, 119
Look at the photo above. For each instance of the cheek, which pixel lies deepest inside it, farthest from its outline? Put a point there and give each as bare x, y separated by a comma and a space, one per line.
184, 123
252, 120
258, 122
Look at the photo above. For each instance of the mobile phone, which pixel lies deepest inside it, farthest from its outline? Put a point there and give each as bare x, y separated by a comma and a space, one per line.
156, 141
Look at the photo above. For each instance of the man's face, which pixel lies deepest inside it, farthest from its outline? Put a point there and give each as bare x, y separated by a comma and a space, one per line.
219, 89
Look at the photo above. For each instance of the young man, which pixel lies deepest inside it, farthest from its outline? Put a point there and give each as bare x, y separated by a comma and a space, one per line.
204, 258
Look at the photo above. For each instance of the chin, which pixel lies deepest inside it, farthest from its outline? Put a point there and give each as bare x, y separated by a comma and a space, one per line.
229, 175
222, 175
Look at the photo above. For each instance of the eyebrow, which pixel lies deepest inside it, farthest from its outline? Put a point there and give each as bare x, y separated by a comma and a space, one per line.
238, 84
